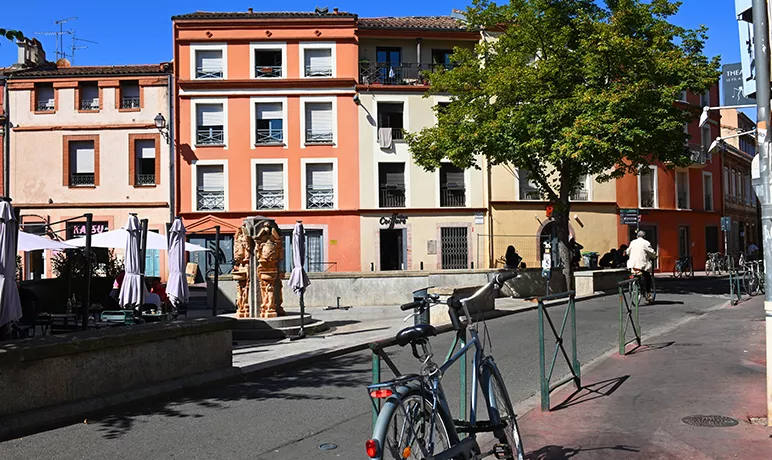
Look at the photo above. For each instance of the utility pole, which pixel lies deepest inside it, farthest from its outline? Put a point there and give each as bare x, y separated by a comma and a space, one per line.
761, 51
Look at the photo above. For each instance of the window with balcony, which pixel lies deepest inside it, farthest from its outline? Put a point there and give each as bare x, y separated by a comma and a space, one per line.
452, 186
145, 162
210, 188
210, 124
317, 62
727, 190
707, 190
45, 97
82, 164
269, 123
319, 123
209, 64
391, 181
388, 66
320, 190
129, 96
682, 190
582, 192
441, 59
88, 96
647, 187
268, 63
390, 122
705, 99
529, 189
706, 140
270, 186
733, 191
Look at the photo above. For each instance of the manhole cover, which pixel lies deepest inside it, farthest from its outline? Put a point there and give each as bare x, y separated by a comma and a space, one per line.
716, 421
328, 446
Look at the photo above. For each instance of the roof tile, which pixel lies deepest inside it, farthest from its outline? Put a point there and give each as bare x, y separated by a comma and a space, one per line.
52, 71
262, 15
412, 22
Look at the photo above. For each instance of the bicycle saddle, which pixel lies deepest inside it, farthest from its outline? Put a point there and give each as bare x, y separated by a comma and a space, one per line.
419, 331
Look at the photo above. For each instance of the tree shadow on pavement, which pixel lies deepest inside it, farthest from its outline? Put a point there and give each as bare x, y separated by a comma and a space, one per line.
592, 391
308, 383
560, 452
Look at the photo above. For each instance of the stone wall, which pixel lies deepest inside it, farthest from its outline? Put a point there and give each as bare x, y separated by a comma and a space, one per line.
52, 370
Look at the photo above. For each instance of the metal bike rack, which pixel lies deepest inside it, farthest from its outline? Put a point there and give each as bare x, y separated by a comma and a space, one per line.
734, 286
573, 362
629, 301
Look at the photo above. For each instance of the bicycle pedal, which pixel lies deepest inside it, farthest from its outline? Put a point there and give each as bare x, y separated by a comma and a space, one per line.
502, 451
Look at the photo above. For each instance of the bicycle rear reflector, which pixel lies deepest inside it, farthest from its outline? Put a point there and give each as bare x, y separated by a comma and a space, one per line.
406, 452
372, 448
381, 393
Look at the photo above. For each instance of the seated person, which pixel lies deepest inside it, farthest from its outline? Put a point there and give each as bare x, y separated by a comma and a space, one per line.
609, 259
512, 259
157, 288
152, 300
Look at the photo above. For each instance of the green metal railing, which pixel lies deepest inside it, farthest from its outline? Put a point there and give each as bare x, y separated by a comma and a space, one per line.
629, 301
573, 362
735, 295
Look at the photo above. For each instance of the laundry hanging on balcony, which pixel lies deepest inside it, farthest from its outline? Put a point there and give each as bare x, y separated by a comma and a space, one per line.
384, 138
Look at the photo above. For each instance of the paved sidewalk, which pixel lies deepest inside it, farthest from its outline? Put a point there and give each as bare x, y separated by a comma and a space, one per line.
632, 407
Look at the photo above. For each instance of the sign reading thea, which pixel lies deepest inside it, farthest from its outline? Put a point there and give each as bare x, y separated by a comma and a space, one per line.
734, 85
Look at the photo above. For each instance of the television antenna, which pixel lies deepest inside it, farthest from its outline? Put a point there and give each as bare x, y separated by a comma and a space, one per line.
74, 46
60, 35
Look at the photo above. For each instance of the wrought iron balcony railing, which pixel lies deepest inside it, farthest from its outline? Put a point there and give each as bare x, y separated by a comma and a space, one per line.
385, 73
453, 197
146, 179
89, 104
318, 137
580, 195
204, 73
318, 71
320, 198
647, 198
530, 194
210, 135
81, 179
44, 106
682, 200
211, 200
392, 196
269, 136
130, 102
270, 199
269, 71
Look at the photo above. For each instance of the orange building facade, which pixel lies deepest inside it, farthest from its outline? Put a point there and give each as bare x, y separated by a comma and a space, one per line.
267, 125
682, 207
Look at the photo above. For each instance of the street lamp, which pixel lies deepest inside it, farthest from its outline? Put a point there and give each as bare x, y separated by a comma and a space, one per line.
160, 123
719, 142
706, 109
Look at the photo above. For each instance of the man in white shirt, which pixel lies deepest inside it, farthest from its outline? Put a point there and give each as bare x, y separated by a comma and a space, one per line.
641, 256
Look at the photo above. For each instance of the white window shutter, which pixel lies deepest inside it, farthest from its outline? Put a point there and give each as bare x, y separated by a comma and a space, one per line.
209, 115
82, 154
270, 177
145, 148
318, 61
209, 60
211, 178
319, 176
319, 117
269, 111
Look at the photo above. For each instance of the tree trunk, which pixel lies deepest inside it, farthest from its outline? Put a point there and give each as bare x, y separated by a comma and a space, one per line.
562, 216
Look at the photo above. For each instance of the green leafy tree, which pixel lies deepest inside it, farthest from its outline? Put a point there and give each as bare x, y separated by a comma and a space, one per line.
11, 34
564, 88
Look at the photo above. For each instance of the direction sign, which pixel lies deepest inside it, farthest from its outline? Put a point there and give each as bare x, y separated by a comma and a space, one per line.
726, 223
629, 216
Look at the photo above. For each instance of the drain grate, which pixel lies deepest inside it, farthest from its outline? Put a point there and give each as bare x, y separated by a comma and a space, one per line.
328, 446
713, 421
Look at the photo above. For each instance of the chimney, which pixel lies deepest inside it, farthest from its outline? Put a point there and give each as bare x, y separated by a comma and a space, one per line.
250, 10
334, 11
31, 53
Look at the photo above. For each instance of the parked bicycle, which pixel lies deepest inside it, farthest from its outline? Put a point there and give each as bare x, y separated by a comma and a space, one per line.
753, 277
415, 421
716, 264
649, 293
684, 266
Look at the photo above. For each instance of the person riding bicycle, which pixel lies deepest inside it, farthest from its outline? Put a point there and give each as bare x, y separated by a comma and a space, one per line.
640, 262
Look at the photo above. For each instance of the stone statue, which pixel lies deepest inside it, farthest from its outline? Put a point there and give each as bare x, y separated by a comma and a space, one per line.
269, 251
242, 248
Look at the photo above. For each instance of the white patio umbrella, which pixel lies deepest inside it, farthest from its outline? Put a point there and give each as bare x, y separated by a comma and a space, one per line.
299, 278
10, 305
177, 285
31, 242
116, 239
130, 294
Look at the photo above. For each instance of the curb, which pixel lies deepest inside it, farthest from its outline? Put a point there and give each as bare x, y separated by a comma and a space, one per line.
27, 423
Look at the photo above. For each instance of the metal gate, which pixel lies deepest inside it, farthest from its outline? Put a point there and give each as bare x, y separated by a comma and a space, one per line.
454, 244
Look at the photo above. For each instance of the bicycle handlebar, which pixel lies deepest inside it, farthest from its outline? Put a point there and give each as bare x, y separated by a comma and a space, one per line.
411, 305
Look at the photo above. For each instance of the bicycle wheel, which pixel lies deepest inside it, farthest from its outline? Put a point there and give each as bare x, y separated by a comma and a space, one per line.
501, 412
677, 273
690, 273
709, 271
751, 282
403, 428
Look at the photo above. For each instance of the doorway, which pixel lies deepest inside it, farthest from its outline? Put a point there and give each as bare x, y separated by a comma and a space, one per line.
393, 249
711, 239
684, 246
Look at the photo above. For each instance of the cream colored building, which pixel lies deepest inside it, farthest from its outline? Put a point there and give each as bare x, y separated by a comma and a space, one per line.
411, 219
84, 140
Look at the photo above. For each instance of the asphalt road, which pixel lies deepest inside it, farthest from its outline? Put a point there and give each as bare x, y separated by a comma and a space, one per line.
289, 415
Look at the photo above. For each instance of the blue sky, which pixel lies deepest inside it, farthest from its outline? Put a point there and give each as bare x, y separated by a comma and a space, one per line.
139, 31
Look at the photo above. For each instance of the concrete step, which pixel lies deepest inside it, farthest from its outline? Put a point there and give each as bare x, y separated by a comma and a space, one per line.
273, 328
